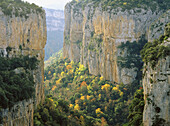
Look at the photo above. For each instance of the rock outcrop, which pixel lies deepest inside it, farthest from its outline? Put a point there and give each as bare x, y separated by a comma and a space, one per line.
25, 36
92, 36
157, 27
156, 84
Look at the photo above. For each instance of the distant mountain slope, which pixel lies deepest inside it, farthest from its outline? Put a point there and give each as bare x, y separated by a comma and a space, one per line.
55, 28
55, 19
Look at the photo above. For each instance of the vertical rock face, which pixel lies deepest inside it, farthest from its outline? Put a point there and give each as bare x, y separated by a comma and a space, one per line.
157, 99
157, 27
26, 36
92, 36
156, 83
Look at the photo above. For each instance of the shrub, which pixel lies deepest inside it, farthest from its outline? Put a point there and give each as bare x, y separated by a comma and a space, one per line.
20, 8
125, 4
18, 86
155, 50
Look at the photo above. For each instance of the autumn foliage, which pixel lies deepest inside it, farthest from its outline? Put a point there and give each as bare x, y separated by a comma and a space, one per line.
88, 94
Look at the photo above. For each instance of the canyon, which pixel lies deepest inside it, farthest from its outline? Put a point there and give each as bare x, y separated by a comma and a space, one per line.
106, 40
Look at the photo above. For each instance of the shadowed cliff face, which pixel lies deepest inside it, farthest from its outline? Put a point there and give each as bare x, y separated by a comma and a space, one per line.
156, 94
157, 27
25, 36
92, 36
156, 84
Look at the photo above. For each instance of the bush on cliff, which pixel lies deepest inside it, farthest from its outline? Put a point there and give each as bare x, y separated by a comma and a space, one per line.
152, 51
18, 8
125, 4
16, 80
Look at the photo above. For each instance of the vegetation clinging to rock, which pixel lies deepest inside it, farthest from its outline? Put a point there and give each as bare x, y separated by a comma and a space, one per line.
19, 8
133, 58
136, 109
16, 81
152, 51
125, 4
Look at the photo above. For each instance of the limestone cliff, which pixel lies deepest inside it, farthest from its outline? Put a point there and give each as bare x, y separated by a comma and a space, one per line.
26, 35
92, 36
156, 84
157, 27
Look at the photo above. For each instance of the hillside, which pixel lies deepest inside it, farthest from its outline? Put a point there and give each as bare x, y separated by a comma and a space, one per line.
54, 19
91, 97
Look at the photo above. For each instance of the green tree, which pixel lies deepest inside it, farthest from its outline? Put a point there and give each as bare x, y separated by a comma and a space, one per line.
136, 109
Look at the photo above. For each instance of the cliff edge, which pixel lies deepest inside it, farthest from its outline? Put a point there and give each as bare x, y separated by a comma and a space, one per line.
156, 81
23, 31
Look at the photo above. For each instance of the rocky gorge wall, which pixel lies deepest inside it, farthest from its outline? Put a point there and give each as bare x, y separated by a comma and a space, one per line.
156, 84
25, 36
92, 36
156, 93
157, 27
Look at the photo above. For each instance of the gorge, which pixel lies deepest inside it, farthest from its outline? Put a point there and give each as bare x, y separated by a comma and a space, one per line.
114, 69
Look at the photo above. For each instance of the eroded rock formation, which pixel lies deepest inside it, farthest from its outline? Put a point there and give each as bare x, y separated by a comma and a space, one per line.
25, 36
92, 36
156, 84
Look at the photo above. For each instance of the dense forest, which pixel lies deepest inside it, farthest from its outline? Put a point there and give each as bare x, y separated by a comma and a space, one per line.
90, 99
16, 79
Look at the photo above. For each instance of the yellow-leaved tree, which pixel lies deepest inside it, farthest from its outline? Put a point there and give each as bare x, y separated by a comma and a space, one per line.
71, 105
100, 96
68, 67
88, 97
98, 111
106, 87
77, 107
104, 122
62, 74
49, 72
82, 97
58, 81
